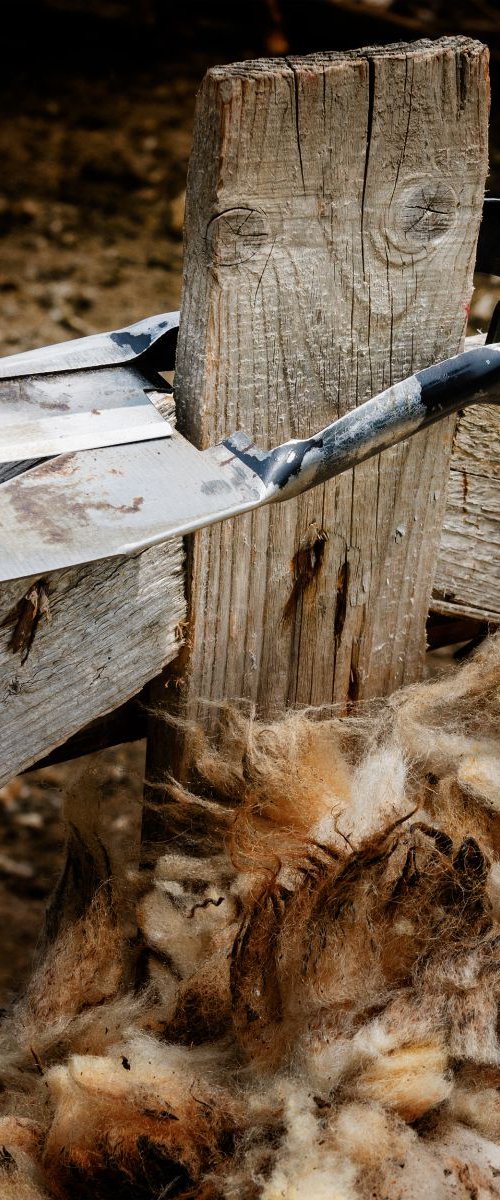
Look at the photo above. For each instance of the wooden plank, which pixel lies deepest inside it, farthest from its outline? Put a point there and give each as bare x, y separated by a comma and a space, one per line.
102, 632
128, 723
332, 214
467, 578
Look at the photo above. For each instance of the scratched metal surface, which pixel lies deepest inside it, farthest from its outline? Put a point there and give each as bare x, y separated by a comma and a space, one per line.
82, 507
42, 415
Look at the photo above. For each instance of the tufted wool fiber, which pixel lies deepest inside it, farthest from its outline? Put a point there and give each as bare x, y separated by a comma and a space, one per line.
318, 1011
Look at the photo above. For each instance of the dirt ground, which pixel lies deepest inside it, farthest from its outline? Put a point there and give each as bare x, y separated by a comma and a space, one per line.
91, 206
94, 145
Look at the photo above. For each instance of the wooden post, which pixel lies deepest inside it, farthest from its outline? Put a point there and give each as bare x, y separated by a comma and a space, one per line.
333, 206
467, 579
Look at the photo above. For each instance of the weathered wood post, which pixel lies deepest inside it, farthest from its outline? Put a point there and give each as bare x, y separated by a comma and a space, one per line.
467, 578
332, 213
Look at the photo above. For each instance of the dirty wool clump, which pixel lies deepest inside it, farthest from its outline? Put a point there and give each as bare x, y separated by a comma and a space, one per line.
318, 1008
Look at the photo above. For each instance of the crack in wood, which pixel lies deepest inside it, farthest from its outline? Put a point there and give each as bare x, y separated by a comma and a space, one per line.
296, 77
369, 130
341, 600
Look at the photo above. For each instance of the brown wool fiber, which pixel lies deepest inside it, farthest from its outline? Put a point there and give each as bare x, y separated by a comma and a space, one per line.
319, 1016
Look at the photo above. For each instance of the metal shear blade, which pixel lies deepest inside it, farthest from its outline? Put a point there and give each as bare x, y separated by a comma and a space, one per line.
97, 503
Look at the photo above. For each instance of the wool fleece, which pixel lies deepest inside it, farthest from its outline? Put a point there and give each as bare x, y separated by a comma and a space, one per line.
313, 1012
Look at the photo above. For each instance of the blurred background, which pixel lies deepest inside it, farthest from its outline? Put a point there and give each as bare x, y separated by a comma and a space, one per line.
97, 100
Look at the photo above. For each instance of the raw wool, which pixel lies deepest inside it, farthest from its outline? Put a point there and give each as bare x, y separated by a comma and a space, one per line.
21, 1146
318, 1013
306, 1168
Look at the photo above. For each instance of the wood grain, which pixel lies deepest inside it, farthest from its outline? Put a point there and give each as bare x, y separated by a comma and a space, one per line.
106, 630
467, 578
332, 213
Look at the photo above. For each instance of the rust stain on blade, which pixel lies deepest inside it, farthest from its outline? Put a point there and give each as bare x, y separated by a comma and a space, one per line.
136, 504
95, 504
62, 464
57, 522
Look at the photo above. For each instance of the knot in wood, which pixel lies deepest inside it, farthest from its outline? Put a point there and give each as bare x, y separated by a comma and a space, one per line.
236, 235
423, 213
